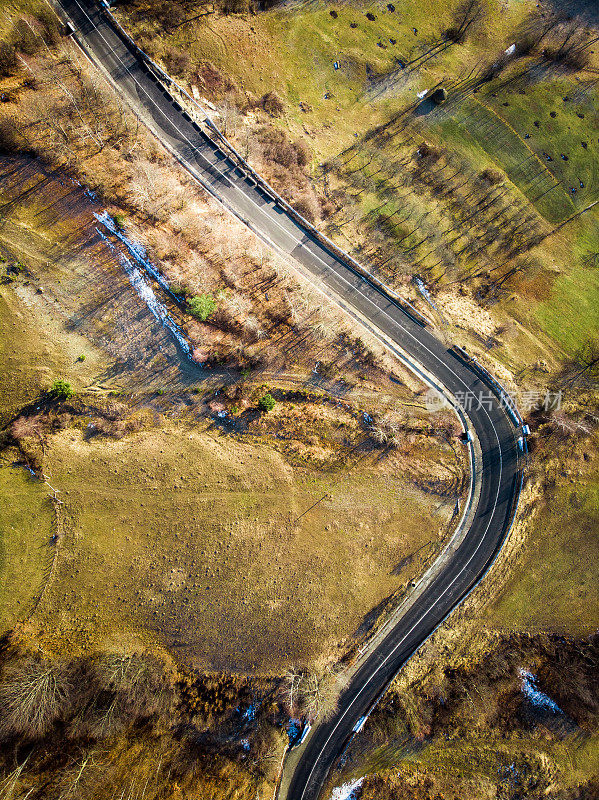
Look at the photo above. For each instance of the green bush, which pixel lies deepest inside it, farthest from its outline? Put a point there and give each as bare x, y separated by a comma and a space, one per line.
180, 291
201, 306
61, 389
119, 221
266, 402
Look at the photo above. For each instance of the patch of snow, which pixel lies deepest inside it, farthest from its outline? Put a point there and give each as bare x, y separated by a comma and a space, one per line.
136, 250
508, 774
422, 94
421, 286
511, 50
359, 724
349, 791
146, 293
29, 470
535, 695
305, 732
250, 712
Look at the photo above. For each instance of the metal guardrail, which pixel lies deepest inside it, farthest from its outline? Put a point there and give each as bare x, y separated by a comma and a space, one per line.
504, 396
334, 249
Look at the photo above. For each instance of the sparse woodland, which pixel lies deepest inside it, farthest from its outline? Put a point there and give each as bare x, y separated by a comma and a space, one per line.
86, 132
86, 727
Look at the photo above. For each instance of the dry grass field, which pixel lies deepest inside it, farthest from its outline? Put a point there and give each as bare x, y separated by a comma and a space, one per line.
231, 556
189, 525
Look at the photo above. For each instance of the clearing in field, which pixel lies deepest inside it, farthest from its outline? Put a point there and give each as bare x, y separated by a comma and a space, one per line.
230, 555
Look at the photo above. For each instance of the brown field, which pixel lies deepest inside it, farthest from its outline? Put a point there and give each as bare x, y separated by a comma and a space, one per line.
231, 556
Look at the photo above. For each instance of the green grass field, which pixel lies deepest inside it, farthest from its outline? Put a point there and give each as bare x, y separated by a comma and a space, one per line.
575, 294
555, 586
560, 151
31, 357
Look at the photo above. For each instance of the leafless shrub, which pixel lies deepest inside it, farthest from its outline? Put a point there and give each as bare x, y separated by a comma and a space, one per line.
272, 104
213, 81
318, 691
74, 116
192, 226
491, 176
252, 330
28, 433
278, 148
231, 278
25, 39
155, 190
308, 207
28, 426
283, 312
50, 26
302, 153
119, 691
231, 312
230, 117
33, 695
8, 59
567, 425
325, 329
386, 431
449, 427
428, 153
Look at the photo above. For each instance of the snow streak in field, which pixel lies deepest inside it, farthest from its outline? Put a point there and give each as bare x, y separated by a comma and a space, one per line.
136, 250
421, 286
535, 695
146, 293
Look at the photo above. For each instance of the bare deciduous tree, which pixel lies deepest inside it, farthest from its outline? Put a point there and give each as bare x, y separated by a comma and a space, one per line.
466, 17
584, 367
32, 696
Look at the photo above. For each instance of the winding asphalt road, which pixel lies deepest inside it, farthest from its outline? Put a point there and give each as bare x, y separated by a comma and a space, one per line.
497, 430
